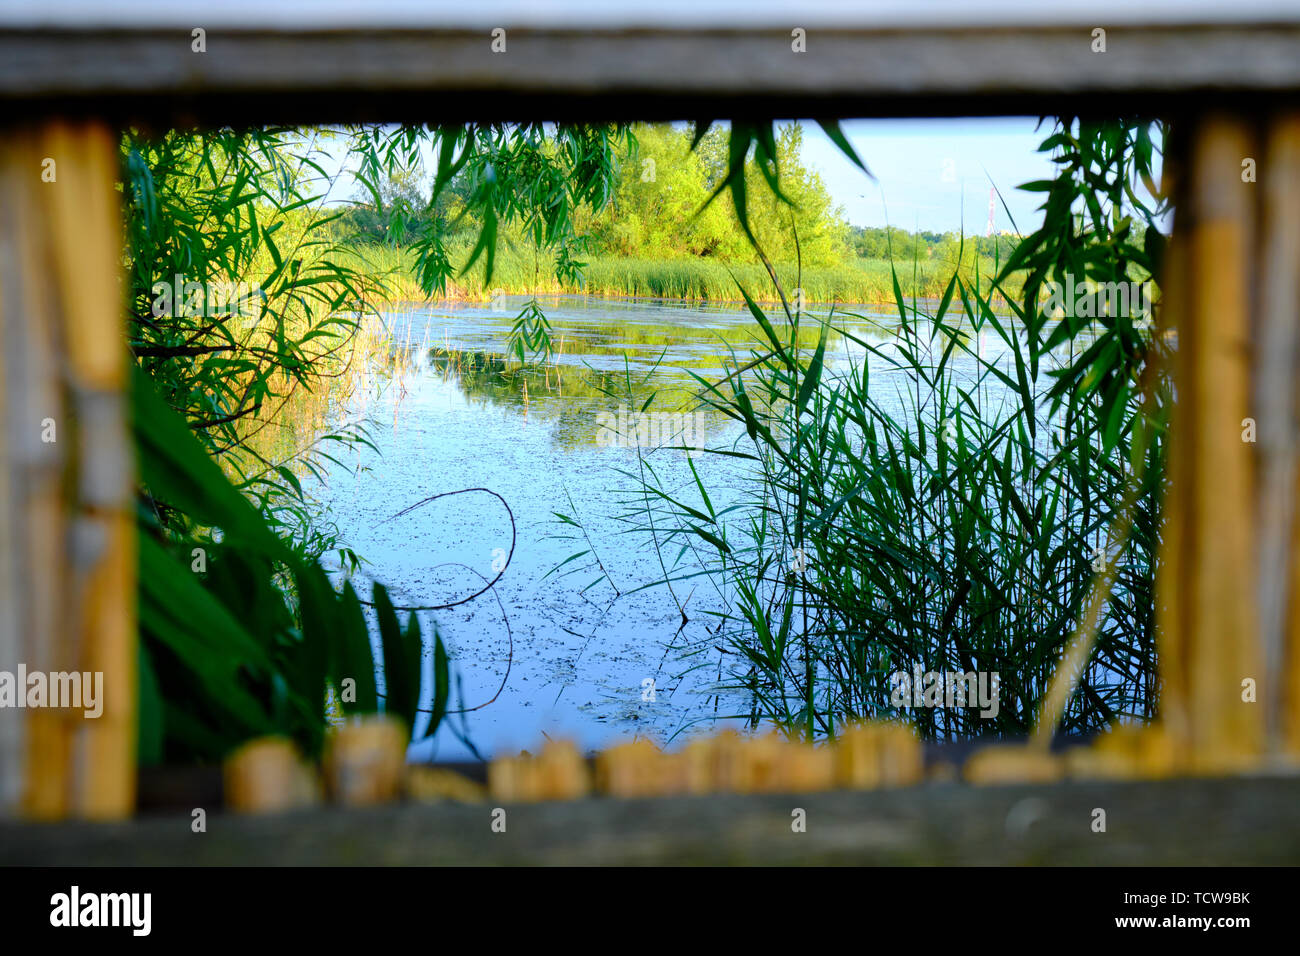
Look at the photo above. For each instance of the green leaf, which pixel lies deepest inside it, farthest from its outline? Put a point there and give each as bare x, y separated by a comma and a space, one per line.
836, 136
176, 468
441, 679
401, 661
351, 654
149, 717
813, 376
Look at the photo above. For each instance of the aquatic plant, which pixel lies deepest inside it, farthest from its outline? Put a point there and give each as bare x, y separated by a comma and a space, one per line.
931, 508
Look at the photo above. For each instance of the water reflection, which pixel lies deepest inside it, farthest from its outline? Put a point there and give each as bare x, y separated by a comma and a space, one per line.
458, 413
614, 359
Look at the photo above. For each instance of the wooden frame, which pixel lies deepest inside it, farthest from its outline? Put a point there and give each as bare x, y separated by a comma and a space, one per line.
250, 76
1229, 576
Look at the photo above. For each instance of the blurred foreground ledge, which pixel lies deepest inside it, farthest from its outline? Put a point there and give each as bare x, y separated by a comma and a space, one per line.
1185, 822
305, 74
1229, 579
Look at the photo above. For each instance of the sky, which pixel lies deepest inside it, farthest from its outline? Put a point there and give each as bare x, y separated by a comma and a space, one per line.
934, 175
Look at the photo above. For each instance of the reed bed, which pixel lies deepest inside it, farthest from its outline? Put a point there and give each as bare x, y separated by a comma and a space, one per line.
925, 509
518, 271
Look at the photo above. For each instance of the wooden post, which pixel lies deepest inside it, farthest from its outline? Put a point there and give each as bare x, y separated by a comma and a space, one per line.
1229, 589
1278, 415
36, 630
68, 570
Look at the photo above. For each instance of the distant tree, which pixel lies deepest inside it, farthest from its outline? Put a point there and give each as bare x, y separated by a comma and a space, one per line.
661, 188
403, 207
810, 215
659, 206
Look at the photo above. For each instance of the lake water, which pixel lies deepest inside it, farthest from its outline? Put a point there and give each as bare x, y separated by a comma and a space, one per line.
544, 654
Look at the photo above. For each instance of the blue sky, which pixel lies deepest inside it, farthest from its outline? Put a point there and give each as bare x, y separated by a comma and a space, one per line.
933, 172
932, 175
929, 173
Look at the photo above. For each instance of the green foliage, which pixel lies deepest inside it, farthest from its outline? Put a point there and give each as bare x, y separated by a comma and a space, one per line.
662, 206
224, 654
524, 176
706, 279
531, 333
242, 631
660, 235
911, 509
1100, 224
656, 211
899, 245
212, 212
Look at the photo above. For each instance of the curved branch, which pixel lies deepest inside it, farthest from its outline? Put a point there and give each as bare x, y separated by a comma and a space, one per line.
510, 638
514, 534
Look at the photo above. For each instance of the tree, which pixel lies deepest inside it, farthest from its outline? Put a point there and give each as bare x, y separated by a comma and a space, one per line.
657, 208
807, 223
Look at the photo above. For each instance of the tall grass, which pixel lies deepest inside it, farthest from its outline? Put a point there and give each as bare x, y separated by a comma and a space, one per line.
925, 506
517, 271
242, 632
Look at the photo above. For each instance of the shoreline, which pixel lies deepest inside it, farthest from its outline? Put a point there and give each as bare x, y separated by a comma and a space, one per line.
471, 300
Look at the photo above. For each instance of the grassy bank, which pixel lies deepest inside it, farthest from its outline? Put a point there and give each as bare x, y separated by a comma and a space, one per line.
520, 272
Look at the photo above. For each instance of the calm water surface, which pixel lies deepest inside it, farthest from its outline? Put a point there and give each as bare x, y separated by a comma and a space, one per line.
555, 654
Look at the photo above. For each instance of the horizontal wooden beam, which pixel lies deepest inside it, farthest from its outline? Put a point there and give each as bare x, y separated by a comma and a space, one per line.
250, 77
1173, 822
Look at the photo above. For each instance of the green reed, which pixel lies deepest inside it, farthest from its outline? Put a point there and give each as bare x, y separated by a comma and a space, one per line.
516, 272
924, 505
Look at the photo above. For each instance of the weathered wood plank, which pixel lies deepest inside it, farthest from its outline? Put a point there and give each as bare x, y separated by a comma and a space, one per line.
306, 75
1277, 343
69, 573
1179, 822
1220, 212
36, 462
82, 224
